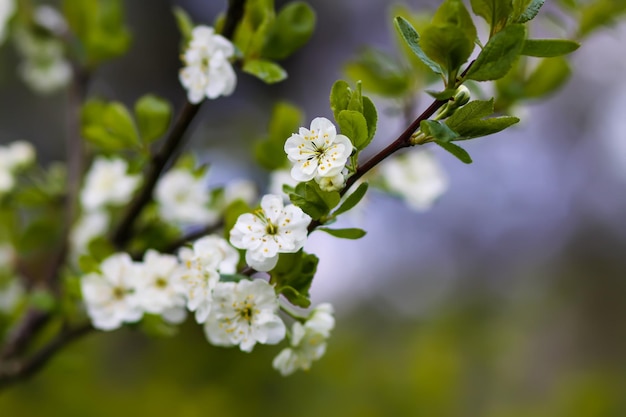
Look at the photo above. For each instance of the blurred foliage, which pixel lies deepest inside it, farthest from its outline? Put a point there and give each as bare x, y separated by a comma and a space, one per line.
475, 355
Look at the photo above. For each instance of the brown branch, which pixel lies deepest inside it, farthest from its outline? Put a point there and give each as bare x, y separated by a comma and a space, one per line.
174, 141
14, 371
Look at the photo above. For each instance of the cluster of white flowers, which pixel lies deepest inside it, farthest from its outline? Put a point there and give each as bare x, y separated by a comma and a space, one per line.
208, 71
44, 67
417, 177
319, 153
269, 231
241, 313
161, 284
307, 341
7, 8
13, 157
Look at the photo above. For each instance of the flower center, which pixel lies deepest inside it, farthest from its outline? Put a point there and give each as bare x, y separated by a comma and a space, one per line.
271, 229
160, 283
119, 293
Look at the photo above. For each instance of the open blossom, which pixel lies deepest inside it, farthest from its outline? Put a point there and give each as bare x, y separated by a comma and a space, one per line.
308, 341
207, 71
183, 198
317, 152
108, 182
7, 8
416, 177
271, 230
157, 292
200, 270
14, 156
244, 314
90, 226
110, 296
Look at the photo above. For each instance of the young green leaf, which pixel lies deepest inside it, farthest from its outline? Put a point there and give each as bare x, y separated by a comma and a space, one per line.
292, 29
340, 95
119, 122
495, 12
371, 117
531, 11
353, 125
456, 150
313, 201
352, 200
476, 109
547, 48
438, 130
498, 55
293, 275
267, 71
380, 73
153, 116
184, 23
350, 233
454, 12
411, 37
448, 45
484, 127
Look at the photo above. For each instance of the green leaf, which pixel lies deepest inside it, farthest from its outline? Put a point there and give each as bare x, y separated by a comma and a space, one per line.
291, 30
293, 276
340, 95
469, 121
454, 12
371, 117
99, 25
442, 95
233, 277
495, 12
380, 73
477, 128
447, 45
476, 109
285, 120
350, 233
153, 116
411, 37
313, 201
184, 23
546, 48
353, 125
457, 151
498, 55
356, 99
267, 71
119, 122
531, 11
352, 200
438, 130
549, 76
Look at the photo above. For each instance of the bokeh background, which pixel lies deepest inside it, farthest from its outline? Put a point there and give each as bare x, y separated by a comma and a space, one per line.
507, 299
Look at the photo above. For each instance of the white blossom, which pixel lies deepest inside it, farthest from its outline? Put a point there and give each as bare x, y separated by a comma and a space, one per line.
244, 190
44, 67
90, 226
7, 8
11, 294
317, 152
202, 264
271, 230
416, 177
244, 313
157, 289
208, 71
334, 183
183, 198
13, 157
108, 182
50, 18
110, 296
307, 342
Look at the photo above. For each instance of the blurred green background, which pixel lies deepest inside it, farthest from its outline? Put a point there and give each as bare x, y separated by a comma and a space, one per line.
507, 300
